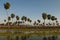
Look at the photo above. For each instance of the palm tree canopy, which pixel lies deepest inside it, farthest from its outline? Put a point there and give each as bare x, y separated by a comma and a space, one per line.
34, 23
44, 16
4, 20
28, 19
12, 15
24, 18
17, 17
7, 5
48, 16
9, 18
38, 21
53, 18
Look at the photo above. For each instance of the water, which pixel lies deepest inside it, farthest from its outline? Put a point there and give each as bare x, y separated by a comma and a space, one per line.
30, 38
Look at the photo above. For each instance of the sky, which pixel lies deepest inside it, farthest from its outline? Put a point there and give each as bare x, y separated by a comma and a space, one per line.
30, 8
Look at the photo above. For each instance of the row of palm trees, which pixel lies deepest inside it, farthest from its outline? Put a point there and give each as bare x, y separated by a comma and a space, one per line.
24, 18
49, 17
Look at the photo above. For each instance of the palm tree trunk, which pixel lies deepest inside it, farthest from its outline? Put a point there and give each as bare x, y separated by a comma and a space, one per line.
44, 22
7, 15
12, 21
49, 23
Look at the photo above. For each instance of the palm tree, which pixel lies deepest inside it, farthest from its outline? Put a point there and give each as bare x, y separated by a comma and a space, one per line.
34, 23
5, 20
24, 18
30, 21
38, 21
53, 18
17, 18
49, 17
7, 6
56, 20
44, 16
12, 16
9, 18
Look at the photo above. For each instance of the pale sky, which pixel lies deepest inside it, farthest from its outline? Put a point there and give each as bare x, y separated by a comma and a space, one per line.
30, 8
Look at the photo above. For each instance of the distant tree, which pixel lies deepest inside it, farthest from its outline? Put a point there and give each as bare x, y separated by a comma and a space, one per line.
12, 16
34, 23
49, 17
24, 18
9, 18
17, 18
38, 21
7, 6
53, 18
4, 20
29, 20
44, 16
56, 20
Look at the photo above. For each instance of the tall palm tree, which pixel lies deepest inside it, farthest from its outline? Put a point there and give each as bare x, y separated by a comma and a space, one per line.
44, 16
24, 18
49, 17
17, 18
7, 6
12, 16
